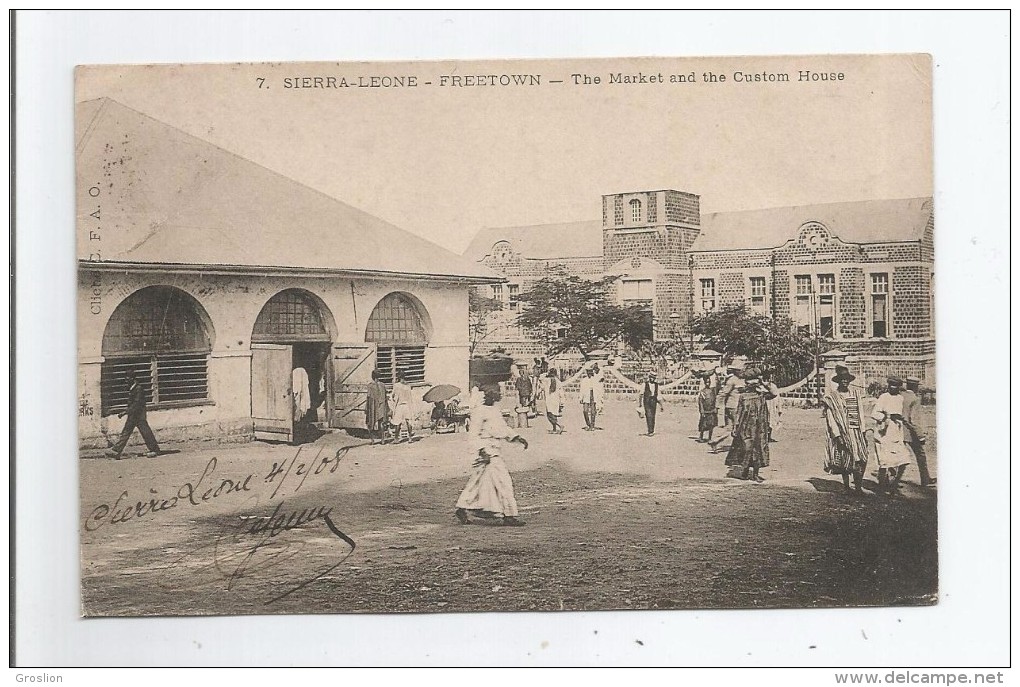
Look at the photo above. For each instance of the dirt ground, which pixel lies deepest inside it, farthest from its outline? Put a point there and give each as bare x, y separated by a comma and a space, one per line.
615, 520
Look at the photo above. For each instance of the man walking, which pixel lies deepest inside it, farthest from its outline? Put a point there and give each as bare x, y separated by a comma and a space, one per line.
911, 406
648, 402
135, 412
592, 395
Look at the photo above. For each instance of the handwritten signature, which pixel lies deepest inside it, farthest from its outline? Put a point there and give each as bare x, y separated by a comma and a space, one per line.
254, 546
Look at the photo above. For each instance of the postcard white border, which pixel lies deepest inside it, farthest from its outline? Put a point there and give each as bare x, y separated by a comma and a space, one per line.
968, 627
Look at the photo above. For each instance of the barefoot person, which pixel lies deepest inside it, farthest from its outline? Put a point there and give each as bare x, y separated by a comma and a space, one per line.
750, 448
915, 439
846, 451
708, 413
490, 490
401, 399
728, 398
551, 389
136, 417
377, 410
890, 439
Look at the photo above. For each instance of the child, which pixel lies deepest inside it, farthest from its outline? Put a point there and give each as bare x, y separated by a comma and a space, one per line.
709, 415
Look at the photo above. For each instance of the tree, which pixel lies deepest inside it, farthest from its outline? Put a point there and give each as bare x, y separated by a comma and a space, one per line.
567, 313
480, 309
775, 343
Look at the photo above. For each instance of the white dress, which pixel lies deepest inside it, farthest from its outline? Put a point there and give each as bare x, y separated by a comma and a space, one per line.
490, 487
552, 398
890, 447
302, 396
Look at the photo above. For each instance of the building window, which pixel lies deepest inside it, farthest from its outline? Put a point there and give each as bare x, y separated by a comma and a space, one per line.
637, 291
707, 295
397, 327
291, 316
826, 304
515, 296
635, 211
758, 294
880, 305
159, 333
803, 312
497, 292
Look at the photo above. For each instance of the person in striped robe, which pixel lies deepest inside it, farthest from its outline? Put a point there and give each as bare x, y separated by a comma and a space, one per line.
846, 451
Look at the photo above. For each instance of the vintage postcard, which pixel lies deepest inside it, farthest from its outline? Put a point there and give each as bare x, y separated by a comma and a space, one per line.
636, 333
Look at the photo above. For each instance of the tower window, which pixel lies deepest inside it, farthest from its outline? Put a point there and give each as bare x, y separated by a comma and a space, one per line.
635, 210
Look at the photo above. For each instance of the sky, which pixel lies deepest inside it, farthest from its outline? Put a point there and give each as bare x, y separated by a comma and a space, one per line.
444, 161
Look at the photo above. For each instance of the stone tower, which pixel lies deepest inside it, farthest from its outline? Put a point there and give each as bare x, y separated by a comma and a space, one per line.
646, 242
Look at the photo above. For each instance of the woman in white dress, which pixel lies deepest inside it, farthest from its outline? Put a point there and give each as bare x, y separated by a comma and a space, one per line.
401, 399
551, 390
490, 490
892, 451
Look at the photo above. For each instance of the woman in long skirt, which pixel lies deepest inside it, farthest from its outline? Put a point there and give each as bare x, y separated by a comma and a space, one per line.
750, 448
490, 490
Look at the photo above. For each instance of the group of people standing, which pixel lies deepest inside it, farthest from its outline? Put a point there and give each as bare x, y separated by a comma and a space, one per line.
889, 431
541, 390
387, 413
749, 402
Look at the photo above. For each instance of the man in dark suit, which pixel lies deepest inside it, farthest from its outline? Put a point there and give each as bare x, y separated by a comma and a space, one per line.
649, 403
135, 412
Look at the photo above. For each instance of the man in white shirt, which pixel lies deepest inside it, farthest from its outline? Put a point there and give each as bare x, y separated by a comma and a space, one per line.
592, 396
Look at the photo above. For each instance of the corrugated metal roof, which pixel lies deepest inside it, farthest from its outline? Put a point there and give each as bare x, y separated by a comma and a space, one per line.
545, 241
862, 221
167, 197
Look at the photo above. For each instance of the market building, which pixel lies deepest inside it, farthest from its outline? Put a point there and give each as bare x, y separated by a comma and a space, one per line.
215, 279
858, 275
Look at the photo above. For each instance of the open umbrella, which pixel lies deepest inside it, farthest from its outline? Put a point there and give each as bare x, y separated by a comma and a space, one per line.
442, 392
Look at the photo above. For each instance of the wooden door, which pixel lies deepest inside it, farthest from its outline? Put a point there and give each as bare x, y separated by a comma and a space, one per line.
352, 372
272, 399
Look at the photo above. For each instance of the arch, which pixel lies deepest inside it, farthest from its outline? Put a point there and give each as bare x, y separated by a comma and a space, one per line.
399, 317
635, 211
401, 328
294, 315
163, 336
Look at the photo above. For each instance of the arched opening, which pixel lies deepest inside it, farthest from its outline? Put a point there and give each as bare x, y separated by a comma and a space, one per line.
635, 211
298, 328
164, 336
400, 327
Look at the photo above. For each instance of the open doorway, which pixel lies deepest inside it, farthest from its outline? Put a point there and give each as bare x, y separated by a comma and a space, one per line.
291, 377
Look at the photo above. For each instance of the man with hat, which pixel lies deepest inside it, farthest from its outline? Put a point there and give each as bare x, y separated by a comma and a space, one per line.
136, 417
846, 451
648, 401
592, 396
729, 397
750, 449
890, 446
911, 406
